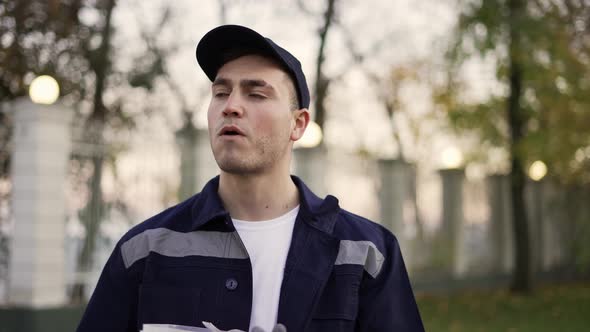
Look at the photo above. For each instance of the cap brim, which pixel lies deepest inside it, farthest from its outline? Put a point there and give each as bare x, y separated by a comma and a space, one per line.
218, 41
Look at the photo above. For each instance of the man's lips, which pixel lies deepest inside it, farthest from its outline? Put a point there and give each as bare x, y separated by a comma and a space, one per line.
231, 130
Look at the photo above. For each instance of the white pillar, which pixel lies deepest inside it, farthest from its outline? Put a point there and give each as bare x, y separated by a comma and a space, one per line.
451, 232
39, 160
310, 165
537, 223
555, 221
393, 195
186, 140
206, 165
500, 227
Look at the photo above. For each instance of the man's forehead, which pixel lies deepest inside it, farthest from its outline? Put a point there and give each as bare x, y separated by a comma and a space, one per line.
253, 65
252, 68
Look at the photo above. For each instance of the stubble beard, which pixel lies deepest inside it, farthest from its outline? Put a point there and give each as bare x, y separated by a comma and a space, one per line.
264, 157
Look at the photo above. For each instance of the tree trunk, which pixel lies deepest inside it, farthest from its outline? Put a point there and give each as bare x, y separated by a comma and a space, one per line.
91, 216
522, 276
322, 82
94, 210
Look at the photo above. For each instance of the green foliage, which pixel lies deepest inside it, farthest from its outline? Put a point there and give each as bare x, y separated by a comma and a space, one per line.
554, 52
65, 39
552, 308
41, 37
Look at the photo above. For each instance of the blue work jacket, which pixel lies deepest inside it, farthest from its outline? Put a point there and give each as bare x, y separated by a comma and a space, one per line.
187, 265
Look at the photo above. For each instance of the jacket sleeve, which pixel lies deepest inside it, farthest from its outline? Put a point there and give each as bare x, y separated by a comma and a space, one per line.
113, 305
386, 302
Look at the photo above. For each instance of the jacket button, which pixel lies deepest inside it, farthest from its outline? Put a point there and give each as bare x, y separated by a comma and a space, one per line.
231, 284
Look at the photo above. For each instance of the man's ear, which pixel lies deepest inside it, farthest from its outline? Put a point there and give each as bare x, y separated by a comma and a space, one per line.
300, 121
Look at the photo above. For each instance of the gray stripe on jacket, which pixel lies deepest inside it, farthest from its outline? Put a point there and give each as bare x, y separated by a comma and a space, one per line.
170, 243
361, 253
177, 244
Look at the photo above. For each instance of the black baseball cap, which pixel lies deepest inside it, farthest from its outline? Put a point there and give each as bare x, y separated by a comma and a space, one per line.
217, 42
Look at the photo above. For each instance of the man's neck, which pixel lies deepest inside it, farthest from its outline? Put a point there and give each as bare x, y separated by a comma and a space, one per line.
258, 197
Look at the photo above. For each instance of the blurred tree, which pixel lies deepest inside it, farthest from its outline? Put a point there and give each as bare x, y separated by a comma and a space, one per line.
71, 40
37, 37
187, 133
387, 86
322, 81
40, 37
100, 65
148, 66
542, 54
389, 94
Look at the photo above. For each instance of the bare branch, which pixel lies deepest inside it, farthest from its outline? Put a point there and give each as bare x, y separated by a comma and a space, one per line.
222, 11
322, 82
303, 7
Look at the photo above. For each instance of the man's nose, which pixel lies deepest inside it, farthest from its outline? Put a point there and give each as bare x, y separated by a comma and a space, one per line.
233, 106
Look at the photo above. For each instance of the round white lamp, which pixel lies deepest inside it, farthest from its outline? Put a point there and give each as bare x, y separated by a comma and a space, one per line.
451, 158
44, 90
312, 136
537, 170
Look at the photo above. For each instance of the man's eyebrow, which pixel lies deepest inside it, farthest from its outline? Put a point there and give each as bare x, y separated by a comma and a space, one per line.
221, 81
258, 83
255, 83
245, 83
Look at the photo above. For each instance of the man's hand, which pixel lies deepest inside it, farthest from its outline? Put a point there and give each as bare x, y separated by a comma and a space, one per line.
277, 328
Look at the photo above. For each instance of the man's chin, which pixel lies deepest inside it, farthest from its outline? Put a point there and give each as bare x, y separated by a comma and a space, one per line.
236, 167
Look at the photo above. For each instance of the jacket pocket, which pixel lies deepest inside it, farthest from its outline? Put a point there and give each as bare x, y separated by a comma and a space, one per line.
159, 304
339, 299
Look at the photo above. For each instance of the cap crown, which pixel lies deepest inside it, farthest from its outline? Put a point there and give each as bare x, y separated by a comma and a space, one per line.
221, 40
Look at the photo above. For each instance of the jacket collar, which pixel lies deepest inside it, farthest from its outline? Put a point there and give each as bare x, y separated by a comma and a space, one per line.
319, 213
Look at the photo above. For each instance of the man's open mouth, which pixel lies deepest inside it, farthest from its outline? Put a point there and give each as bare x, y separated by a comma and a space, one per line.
231, 130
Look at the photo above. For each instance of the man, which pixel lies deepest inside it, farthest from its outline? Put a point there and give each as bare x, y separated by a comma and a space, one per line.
256, 247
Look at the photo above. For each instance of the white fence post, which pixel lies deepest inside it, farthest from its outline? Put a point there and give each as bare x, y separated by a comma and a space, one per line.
310, 165
42, 142
395, 201
451, 231
206, 165
500, 228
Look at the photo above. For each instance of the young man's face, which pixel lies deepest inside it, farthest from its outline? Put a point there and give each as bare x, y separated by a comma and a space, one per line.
251, 123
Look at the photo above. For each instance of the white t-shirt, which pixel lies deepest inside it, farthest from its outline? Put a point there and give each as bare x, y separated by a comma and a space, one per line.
267, 243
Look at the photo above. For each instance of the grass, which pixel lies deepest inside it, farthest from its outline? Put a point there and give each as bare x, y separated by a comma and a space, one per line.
560, 308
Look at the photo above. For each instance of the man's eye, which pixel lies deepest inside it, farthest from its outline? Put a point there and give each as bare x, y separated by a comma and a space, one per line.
257, 96
220, 94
